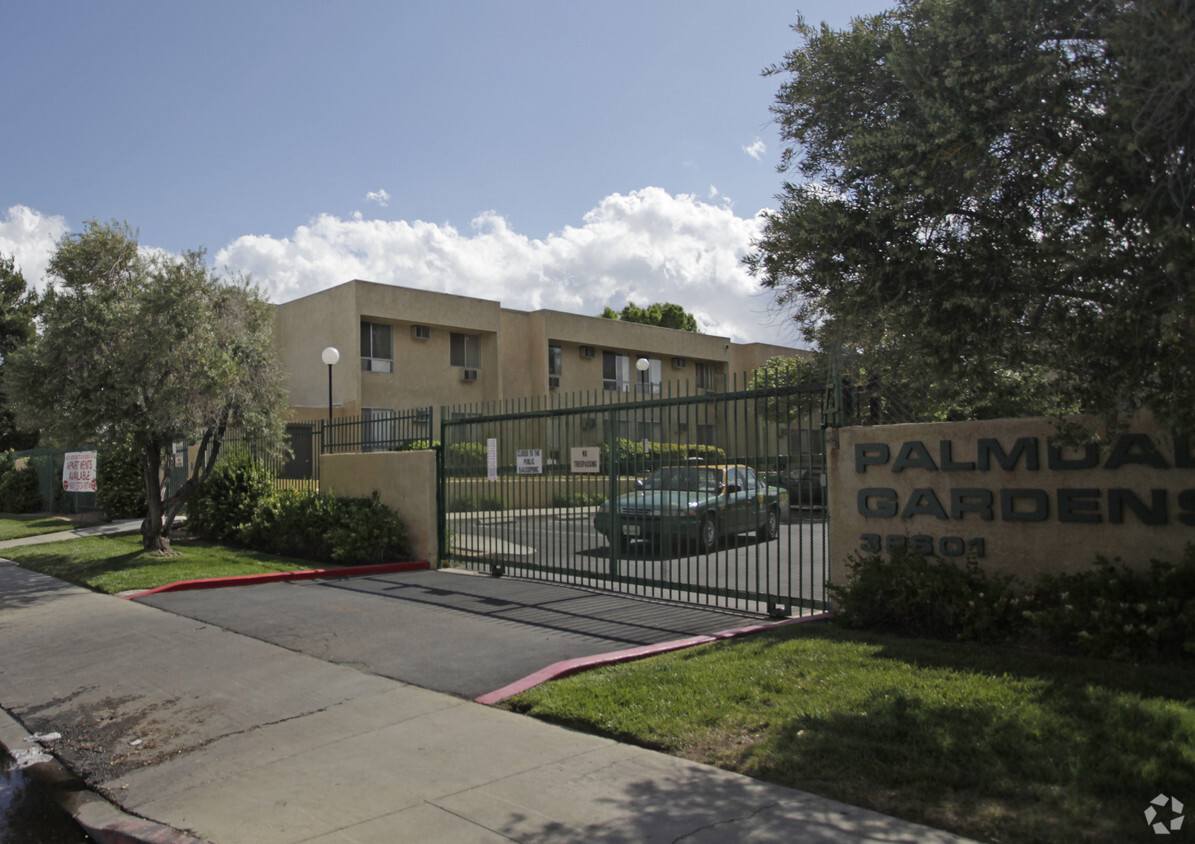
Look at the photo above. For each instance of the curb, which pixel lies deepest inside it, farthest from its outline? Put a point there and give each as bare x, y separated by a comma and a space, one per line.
277, 577
568, 667
101, 819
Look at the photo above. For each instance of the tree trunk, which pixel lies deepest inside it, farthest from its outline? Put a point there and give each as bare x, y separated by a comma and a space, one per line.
152, 537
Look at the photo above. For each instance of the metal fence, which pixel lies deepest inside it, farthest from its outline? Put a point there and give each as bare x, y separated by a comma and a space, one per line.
712, 498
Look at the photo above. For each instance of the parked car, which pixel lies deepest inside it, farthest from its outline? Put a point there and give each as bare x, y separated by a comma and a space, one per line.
698, 504
805, 485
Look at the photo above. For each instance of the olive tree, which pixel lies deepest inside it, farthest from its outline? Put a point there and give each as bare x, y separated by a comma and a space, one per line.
989, 193
148, 349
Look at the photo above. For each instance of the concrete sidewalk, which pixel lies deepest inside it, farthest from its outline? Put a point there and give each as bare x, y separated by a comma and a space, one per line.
192, 729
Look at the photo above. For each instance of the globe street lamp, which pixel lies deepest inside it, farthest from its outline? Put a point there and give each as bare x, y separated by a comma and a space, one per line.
330, 356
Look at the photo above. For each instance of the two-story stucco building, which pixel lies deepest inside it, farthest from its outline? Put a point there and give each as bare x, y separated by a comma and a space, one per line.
402, 348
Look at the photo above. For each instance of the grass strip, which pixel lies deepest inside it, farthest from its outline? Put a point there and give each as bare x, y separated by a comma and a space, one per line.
993, 743
114, 564
17, 527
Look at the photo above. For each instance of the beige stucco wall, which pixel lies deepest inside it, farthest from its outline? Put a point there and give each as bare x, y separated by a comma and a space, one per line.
514, 351
405, 482
928, 481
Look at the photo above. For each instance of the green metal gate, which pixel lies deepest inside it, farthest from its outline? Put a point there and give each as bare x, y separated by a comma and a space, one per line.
714, 498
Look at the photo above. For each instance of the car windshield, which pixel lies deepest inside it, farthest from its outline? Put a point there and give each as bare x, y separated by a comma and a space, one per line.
683, 478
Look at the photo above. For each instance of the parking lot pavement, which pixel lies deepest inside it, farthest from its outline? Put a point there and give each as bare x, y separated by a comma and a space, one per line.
447, 631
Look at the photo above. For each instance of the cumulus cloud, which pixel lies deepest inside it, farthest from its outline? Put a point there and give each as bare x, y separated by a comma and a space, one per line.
381, 197
645, 246
756, 150
29, 238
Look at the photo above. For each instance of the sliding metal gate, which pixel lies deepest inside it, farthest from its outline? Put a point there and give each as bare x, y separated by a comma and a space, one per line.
525, 490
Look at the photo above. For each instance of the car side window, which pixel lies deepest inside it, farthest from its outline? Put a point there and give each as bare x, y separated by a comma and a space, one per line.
750, 482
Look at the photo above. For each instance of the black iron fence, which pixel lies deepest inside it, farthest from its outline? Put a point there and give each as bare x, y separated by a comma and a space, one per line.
694, 497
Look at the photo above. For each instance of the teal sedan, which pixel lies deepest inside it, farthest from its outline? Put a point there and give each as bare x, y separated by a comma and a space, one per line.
694, 504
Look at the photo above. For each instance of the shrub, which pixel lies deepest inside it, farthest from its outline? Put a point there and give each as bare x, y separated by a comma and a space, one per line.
1111, 612
120, 482
1119, 613
20, 489
578, 499
465, 458
907, 593
227, 507
417, 445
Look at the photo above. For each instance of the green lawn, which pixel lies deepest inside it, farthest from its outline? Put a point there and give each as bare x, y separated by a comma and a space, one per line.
15, 527
115, 564
993, 743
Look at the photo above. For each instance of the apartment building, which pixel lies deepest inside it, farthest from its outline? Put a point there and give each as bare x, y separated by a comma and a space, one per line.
402, 348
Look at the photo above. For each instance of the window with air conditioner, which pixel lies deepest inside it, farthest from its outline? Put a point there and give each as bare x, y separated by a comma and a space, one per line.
421, 332
465, 350
377, 347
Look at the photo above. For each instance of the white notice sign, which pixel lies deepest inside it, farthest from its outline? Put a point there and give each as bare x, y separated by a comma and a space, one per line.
531, 462
587, 459
491, 459
78, 471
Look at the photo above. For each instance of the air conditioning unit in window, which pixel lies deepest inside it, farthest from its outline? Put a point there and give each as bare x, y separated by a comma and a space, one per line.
468, 374
588, 352
678, 363
553, 382
421, 332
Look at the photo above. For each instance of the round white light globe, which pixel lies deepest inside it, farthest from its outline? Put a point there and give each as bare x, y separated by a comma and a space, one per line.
642, 364
331, 355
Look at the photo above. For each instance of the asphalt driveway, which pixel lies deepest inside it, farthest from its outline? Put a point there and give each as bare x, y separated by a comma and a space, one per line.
449, 631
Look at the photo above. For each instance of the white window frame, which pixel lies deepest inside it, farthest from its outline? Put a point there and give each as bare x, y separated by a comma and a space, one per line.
465, 350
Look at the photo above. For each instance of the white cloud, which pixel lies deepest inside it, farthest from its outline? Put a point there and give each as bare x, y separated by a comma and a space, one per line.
646, 246
379, 196
757, 150
29, 238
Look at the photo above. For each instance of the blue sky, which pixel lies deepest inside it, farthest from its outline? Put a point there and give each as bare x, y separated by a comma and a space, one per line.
548, 154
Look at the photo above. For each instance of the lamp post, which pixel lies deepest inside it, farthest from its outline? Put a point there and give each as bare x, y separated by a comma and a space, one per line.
330, 356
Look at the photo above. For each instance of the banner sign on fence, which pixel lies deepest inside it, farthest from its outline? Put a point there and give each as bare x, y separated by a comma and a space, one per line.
531, 461
586, 459
78, 471
491, 459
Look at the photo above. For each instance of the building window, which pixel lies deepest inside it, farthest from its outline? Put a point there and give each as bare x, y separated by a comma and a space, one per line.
377, 349
555, 364
703, 375
616, 372
378, 429
707, 434
466, 350
651, 379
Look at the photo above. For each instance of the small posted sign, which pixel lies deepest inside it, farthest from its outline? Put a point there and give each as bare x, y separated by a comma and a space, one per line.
587, 459
78, 471
531, 461
491, 459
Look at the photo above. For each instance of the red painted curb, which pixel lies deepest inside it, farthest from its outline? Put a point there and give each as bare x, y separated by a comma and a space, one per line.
586, 663
279, 576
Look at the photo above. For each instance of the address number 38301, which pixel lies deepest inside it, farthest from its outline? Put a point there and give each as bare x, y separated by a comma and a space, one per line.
943, 546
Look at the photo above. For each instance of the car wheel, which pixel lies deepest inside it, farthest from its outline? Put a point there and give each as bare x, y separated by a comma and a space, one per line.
770, 528
708, 537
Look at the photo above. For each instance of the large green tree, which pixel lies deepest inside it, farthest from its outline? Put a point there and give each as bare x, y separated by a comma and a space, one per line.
991, 193
17, 310
664, 314
147, 349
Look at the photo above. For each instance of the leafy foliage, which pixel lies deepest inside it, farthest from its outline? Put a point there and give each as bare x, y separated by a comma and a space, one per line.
120, 483
1111, 611
17, 310
663, 314
20, 489
781, 371
148, 349
994, 204
239, 503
